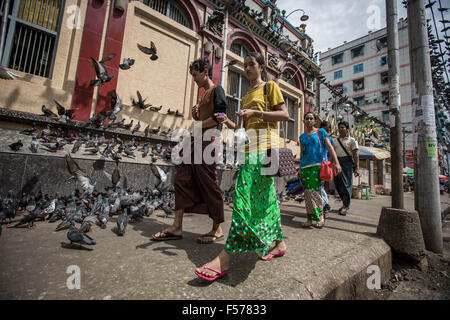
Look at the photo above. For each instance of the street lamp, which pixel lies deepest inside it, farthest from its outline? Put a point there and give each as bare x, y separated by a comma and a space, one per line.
304, 17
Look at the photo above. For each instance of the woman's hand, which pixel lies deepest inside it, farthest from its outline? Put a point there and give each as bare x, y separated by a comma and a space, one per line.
221, 117
356, 172
248, 113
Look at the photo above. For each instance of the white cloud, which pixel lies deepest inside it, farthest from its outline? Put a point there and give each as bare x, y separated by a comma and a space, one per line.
332, 22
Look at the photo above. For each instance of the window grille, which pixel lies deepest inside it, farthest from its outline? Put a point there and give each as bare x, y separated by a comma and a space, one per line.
238, 86
338, 74
170, 9
290, 127
31, 37
239, 48
358, 68
357, 52
337, 58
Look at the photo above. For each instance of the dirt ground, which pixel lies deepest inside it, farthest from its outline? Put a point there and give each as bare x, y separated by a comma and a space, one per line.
409, 282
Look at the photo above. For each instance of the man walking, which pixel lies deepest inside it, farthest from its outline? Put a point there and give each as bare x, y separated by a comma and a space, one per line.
347, 151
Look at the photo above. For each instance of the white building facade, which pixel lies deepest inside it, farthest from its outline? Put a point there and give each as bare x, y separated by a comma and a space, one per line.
360, 67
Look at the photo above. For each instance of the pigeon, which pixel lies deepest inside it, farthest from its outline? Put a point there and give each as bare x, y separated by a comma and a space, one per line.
155, 131
147, 130
178, 114
16, 145
156, 108
103, 216
7, 75
165, 133
152, 51
77, 236
116, 106
128, 126
115, 178
47, 112
127, 63
34, 145
100, 71
28, 220
145, 149
79, 174
136, 128
170, 111
87, 223
141, 102
122, 221
76, 146
29, 131
64, 112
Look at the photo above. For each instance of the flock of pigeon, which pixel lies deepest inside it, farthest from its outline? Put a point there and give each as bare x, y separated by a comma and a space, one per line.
87, 207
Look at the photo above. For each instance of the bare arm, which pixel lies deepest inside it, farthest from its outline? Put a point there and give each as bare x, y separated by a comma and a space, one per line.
356, 160
280, 113
225, 120
333, 155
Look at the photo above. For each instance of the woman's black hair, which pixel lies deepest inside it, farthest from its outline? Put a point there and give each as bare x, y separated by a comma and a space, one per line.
324, 124
261, 61
200, 65
309, 112
344, 123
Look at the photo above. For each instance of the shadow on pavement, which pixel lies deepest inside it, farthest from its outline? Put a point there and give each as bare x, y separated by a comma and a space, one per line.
199, 254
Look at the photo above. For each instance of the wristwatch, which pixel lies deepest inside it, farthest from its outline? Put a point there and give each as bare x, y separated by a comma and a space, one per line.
261, 115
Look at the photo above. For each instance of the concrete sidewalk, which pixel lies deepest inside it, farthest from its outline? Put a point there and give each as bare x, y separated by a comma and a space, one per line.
327, 263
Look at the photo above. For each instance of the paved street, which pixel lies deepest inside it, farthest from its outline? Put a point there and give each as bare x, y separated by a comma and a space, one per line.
33, 264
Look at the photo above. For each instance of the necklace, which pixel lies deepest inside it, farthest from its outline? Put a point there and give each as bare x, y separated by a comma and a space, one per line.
257, 85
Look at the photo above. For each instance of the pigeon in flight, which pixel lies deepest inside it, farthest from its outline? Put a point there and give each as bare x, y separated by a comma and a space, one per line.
63, 111
100, 71
141, 102
116, 106
127, 63
47, 112
150, 51
79, 174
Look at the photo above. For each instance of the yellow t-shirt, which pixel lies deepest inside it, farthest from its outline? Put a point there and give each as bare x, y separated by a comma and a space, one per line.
261, 140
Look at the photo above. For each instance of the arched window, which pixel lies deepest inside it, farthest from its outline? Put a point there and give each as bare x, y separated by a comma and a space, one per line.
239, 48
289, 78
171, 9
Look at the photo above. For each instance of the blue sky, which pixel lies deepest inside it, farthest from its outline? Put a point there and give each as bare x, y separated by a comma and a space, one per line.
331, 22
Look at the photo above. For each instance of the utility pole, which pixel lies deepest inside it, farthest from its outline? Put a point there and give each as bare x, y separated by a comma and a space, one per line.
426, 171
394, 104
404, 148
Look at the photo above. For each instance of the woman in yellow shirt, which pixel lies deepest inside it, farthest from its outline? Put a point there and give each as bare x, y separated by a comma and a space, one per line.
256, 220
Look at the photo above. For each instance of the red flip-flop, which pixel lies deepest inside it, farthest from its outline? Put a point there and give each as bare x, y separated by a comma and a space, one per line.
275, 255
219, 274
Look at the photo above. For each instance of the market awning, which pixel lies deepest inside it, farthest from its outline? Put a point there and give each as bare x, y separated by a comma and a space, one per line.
379, 154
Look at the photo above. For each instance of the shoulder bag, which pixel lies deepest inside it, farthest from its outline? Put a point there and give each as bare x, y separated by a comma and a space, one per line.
345, 150
326, 168
283, 156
